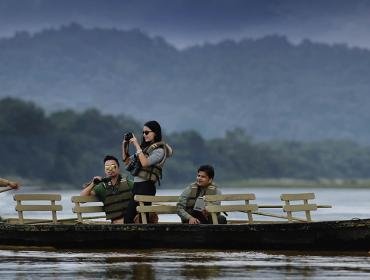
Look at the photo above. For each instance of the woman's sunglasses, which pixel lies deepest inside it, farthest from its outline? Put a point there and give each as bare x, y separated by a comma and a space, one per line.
146, 132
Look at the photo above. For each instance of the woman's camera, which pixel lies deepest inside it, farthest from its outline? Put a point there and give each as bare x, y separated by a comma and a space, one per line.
127, 136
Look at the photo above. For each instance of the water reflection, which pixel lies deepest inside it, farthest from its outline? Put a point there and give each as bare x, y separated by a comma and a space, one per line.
181, 264
200, 272
23, 263
143, 271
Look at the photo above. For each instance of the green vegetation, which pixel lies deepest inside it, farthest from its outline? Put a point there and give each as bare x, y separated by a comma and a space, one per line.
67, 147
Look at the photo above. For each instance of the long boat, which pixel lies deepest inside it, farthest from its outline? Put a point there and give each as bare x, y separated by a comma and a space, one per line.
291, 234
345, 235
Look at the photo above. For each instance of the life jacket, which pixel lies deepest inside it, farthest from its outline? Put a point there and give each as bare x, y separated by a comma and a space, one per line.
195, 193
117, 199
154, 172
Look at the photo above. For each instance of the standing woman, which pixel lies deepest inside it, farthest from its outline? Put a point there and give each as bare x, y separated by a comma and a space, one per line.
146, 164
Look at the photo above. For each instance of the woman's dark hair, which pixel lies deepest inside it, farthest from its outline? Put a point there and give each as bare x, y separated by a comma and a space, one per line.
109, 157
156, 128
208, 169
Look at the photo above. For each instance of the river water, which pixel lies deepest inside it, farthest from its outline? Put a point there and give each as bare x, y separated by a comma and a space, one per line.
348, 203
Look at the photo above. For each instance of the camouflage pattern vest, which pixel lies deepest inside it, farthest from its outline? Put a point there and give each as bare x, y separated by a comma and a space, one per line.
194, 193
154, 173
116, 199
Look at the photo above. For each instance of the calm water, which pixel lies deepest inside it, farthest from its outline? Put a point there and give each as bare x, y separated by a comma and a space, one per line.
197, 264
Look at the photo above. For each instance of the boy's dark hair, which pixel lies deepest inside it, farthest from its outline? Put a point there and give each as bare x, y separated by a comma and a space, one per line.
207, 169
109, 157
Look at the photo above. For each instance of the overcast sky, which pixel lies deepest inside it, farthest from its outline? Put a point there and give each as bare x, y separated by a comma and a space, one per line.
188, 22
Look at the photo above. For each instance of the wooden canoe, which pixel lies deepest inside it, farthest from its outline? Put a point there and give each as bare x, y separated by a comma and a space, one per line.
346, 235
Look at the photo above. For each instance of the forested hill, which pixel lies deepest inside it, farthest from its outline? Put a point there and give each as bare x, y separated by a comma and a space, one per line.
268, 86
68, 147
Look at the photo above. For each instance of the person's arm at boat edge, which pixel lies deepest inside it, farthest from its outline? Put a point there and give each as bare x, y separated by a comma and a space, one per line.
181, 205
8, 183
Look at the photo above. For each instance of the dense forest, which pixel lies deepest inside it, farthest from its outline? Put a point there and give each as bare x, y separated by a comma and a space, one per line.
68, 147
270, 87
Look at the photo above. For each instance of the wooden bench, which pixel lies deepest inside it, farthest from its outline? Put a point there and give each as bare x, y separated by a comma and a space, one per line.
166, 205
299, 207
251, 209
89, 205
52, 207
241, 207
160, 205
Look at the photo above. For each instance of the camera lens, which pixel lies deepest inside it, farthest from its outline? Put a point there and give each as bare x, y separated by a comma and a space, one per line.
128, 136
96, 181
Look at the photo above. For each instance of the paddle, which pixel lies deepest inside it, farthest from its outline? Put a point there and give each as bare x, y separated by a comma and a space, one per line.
278, 216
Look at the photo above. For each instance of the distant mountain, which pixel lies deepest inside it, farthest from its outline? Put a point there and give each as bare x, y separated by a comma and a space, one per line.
185, 23
268, 86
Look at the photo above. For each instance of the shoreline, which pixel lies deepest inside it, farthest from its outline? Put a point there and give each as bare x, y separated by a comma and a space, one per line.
298, 183
244, 183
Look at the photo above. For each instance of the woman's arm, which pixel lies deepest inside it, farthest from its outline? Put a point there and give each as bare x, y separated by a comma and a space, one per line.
125, 153
139, 152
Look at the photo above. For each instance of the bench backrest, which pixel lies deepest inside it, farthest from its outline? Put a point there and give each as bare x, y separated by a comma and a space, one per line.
298, 207
244, 206
52, 207
160, 205
86, 206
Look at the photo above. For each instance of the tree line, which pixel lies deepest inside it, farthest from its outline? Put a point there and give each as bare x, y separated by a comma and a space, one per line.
68, 147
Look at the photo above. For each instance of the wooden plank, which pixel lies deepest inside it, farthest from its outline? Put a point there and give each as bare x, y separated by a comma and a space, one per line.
25, 197
214, 218
79, 216
38, 207
54, 213
156, 198
231, 208
301, 207
88, 209
20, 213
78, 209
229, 197
278, 216
159, 209
84, 198
297, 196
143, 214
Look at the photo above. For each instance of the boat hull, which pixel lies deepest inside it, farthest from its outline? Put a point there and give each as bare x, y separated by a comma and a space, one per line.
347, 235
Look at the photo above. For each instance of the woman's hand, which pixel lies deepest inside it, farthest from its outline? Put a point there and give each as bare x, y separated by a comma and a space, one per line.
134, 141
139, 152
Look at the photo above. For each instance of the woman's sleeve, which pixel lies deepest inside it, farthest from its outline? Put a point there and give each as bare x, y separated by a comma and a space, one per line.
156, 156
